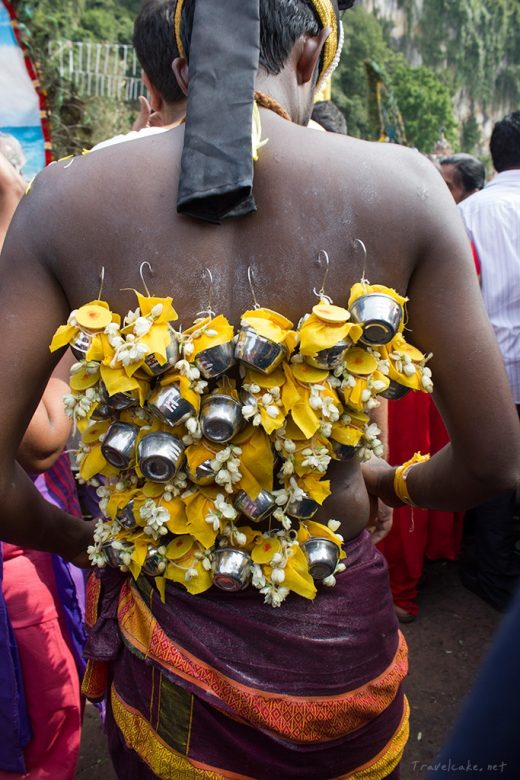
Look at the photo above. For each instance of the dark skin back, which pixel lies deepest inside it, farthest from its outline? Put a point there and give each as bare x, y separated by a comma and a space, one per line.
116, 208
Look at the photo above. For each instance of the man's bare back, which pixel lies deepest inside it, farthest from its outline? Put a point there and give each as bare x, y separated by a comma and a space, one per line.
117, 208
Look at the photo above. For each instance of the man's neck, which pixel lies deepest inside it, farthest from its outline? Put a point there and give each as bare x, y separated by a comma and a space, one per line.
173, 113
279, 89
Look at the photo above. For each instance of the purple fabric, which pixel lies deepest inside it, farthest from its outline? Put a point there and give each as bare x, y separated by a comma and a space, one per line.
343, 640
58, 487
14, 722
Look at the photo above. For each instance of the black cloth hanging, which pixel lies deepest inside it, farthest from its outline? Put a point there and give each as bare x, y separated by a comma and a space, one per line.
216, 179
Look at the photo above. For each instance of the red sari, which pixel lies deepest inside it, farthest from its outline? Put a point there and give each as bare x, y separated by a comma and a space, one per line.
414, 424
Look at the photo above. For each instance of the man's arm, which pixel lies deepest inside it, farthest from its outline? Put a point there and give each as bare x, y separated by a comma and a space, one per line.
33, 305
446, 316
50, 428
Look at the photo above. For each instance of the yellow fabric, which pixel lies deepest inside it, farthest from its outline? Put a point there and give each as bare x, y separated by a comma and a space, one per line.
401, 472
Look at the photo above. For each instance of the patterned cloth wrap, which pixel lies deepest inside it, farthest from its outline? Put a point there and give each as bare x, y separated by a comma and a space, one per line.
317, 693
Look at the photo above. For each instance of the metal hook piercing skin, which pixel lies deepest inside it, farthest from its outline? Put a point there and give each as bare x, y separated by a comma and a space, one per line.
102, 277
209, 311
364, 279
250, 280
321, 294
145, 262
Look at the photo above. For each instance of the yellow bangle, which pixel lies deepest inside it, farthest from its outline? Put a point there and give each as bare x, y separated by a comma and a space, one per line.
401, 473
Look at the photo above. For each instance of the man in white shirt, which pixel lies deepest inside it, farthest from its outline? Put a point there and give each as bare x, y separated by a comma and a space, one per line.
492, 220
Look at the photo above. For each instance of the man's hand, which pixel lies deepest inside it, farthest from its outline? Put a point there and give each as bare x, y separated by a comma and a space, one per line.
147, 116
87, 533
381, 519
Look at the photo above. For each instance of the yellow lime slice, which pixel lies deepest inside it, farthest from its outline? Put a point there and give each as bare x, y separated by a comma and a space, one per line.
93, 317
360, 362
179, 547
305, 373
327, 312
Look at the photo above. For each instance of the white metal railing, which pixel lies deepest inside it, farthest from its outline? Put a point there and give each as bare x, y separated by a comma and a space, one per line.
100, 69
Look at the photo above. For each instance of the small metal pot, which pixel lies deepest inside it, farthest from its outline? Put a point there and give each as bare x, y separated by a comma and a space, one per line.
379, 315
256, 509
256, 351
160, 456
220, 417
394, 391
302, 509
118, 447
329, 358
322, 556
79, 346
231, 568
215, 361
102, 412
126, 517
169, 406
343, 451
113, 555
203, 474
155, 368
154, 564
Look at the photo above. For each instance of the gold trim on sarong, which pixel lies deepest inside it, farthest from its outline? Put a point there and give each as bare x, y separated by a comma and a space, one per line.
299, 719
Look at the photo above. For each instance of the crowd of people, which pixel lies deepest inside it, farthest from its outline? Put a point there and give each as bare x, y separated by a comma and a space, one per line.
209, 683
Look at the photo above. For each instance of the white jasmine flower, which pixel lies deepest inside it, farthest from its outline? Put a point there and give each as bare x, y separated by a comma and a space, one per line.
333, 525
277, 576
329, 581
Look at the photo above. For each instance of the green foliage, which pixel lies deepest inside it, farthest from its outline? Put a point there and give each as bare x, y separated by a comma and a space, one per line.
423, 99
471, 136
77, 122
478, 41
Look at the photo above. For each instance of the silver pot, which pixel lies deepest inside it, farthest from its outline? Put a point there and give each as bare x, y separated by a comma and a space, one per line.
169, 406
160, 456
215, 361
220, 417
343, 451
329, 358
126, 517
203, 474
113, 555
80, 344
155, 368
322, 556
394, 391
154, 564
302, 509
256, 351
118, 447
379, 315
102, 412
231, 568
256, 509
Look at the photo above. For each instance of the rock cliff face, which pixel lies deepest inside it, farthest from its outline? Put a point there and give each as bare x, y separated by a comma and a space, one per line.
476, 45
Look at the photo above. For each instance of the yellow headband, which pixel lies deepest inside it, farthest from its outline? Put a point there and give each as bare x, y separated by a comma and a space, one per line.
325, 12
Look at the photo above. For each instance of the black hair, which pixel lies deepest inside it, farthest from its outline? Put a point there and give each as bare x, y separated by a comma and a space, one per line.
282, 22
505, 142
155, 46
469, 168
327, 114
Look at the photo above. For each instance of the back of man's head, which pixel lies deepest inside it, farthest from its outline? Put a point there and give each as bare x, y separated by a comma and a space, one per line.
282, 22
505, 143
471, 171
154, 42
327, 114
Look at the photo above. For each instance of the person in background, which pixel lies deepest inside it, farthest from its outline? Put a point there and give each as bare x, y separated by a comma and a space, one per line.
464, 174
154, 43
41, 596
327, 114
492, 220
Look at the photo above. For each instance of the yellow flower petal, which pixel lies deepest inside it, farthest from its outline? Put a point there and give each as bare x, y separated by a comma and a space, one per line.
93, 463
308, 374
147, 302
62, 337
83, 379
264, 550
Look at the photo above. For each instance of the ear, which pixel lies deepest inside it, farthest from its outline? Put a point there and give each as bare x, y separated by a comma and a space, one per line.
309, 55
156, 101
180, 71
